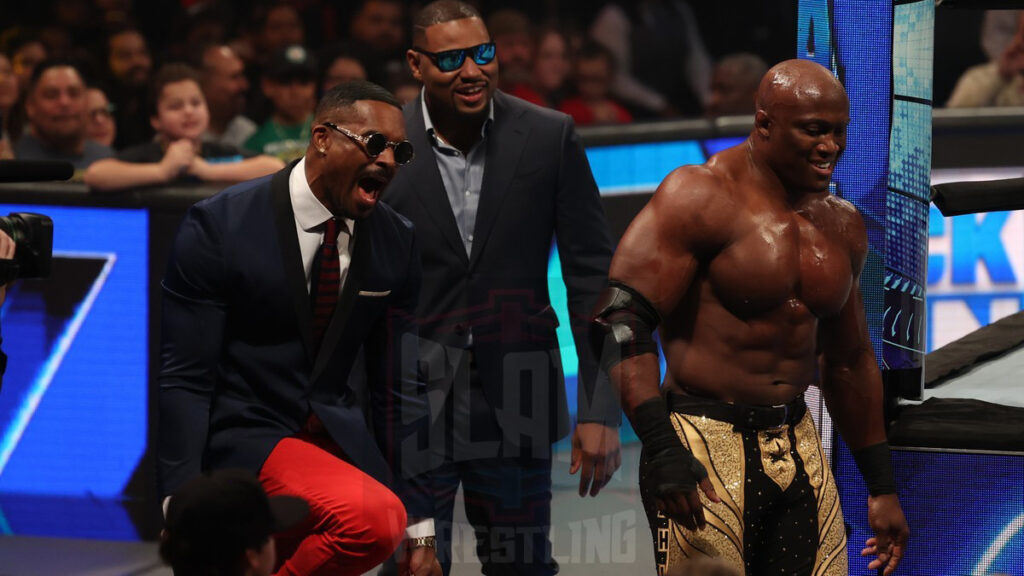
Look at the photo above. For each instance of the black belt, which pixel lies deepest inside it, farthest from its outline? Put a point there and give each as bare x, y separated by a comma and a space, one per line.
739, 415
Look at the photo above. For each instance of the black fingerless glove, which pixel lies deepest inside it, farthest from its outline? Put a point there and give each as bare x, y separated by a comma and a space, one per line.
667, 467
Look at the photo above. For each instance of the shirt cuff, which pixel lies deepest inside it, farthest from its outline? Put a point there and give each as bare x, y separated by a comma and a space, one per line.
420, 527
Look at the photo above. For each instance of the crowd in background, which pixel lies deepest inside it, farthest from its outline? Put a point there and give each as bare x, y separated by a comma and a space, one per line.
260, 67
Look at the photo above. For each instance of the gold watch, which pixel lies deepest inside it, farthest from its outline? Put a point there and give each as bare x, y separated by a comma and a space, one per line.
423, 542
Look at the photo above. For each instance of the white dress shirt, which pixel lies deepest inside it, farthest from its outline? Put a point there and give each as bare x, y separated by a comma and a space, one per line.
310, 219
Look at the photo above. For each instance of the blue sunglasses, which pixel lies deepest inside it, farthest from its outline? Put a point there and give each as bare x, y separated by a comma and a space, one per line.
451, 60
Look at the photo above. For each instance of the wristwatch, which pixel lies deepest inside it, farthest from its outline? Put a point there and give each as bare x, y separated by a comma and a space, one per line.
423, 542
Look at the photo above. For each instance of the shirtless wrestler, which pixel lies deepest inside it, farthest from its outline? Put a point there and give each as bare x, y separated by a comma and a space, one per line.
749, 267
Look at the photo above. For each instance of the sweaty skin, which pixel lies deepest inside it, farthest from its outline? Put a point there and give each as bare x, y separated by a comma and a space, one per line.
753, 266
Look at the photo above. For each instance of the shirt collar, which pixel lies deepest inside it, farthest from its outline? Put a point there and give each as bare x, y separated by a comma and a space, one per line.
429, 124
310, 213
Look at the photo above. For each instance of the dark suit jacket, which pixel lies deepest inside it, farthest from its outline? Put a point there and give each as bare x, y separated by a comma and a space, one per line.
537, 187
238, 370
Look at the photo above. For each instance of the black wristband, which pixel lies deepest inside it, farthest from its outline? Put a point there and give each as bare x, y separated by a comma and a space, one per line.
875, 465
653, 426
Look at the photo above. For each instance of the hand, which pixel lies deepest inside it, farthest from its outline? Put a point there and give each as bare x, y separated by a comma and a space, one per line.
421, 561
200, 168
674, 477
178, 158
1011, 61
889, 543
595, 450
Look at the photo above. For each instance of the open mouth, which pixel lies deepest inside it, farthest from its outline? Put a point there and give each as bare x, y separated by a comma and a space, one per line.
471, 93
370, 187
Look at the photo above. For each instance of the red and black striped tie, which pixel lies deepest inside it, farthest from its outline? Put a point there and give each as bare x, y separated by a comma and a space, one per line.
326, 281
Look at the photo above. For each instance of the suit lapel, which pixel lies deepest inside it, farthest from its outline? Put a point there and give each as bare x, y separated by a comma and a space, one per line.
291, 256
357, 268
426, 185
510, 136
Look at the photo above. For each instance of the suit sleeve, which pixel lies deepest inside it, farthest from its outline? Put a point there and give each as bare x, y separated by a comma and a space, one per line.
585, 249
192, 327
398, 397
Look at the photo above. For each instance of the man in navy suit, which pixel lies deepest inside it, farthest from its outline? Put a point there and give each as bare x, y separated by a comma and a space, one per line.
495, 181
273, 287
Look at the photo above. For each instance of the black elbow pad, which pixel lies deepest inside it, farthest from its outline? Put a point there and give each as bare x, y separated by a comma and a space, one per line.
623, 325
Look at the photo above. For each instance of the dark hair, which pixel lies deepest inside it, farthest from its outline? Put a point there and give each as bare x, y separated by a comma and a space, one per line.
169, 74
214, 518
346, 94
47, 64
591, 50
117, 30
440, 12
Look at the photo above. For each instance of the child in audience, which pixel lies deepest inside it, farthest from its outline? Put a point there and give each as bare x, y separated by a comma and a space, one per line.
179, 116
593, 73
290, 85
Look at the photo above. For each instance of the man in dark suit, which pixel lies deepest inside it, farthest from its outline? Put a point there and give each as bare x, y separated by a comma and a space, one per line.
494, 182
273, 287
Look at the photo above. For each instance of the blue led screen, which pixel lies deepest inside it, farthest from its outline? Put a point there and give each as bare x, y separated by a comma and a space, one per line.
73, 411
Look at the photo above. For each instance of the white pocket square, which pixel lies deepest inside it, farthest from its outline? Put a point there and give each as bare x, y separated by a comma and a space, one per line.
374, 294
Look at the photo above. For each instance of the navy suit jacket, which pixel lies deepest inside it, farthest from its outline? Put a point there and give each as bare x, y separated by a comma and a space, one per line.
537, 188
238, 368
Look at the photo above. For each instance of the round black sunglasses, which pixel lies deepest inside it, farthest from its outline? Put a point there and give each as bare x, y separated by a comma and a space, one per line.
374, 143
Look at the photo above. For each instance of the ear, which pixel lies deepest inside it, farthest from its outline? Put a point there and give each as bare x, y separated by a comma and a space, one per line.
320, 137
155, 122
762, 124
413, 58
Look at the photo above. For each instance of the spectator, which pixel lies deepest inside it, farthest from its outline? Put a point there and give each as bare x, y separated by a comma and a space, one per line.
290, 85
224, 523
662, 65
8, 99
551, 67
997, 31
130, 68
99, 117
340, 65
377, 29
280, 27
55, 110
179, 116
26, 52
593, 73
734, 85
512, 33
225, 87
996, 83
404, 86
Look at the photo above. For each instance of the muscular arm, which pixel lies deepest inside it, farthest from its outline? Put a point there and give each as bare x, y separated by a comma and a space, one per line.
655, 264
657, 258
851, 381
852, 387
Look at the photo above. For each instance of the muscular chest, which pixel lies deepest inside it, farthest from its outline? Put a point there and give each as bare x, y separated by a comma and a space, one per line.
782, 260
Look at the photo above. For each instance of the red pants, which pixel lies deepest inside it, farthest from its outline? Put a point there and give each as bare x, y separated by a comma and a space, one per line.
354, 523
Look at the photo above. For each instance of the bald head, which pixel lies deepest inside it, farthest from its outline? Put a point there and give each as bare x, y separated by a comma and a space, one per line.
800, 125
797, 82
